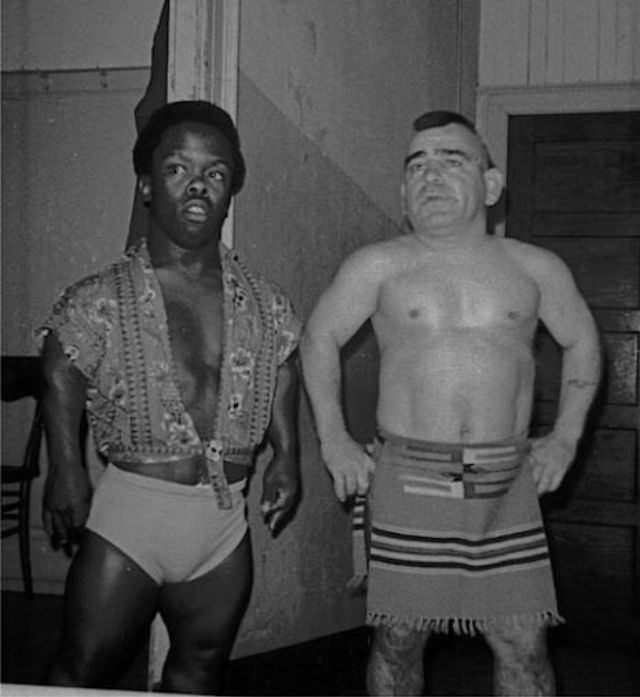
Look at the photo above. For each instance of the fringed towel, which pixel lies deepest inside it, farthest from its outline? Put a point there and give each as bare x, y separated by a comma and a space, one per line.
357, 583
456, 540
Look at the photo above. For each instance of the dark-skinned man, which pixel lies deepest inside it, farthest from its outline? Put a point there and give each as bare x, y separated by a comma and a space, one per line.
185, 361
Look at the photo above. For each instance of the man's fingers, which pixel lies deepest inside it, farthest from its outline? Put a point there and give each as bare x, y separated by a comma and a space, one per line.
58, 535
370, 465
363, 484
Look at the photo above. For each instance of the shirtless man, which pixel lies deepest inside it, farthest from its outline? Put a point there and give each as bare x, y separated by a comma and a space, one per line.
456, 537
184, 360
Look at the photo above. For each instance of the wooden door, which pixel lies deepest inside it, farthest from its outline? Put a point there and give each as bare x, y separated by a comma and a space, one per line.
573, 186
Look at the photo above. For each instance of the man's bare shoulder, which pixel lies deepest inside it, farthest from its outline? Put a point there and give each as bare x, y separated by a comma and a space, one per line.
536, 261
377, 257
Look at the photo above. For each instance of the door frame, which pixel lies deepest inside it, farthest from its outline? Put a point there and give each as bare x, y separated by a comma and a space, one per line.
202, 63
203, 49
495, 105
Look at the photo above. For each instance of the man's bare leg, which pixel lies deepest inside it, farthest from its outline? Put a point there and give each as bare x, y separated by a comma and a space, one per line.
521, 664
395, 664
109, 603
202, 618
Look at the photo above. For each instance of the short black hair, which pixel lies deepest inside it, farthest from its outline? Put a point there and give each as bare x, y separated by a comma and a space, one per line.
438, 119
198, 111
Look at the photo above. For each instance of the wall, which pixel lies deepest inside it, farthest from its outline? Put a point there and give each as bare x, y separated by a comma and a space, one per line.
554, 56
559, 42
73, 71
327, 90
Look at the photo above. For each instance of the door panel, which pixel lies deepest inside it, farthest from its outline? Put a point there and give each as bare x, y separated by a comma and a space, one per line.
573, 186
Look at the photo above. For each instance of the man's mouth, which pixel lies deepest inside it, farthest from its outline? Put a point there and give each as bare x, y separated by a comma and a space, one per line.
196, 211
435, 196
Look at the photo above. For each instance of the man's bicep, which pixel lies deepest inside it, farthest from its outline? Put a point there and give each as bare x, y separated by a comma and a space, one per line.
563, 309
345, 305
65, 386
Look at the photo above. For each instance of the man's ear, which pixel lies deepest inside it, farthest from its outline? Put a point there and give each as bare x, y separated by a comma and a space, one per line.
403, 202
144, 187
493, 181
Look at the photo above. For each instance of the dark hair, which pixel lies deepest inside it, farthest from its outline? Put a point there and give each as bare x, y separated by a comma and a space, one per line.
437, 119
179, 112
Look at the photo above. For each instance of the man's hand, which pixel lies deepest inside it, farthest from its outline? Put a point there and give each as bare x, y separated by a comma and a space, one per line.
350, 466
281, 492
550, 458
65, 507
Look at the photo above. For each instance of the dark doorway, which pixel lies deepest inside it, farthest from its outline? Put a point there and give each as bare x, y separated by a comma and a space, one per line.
574, 187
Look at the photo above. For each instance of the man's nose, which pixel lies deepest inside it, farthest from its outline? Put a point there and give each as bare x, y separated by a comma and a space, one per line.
197, 184
432, 170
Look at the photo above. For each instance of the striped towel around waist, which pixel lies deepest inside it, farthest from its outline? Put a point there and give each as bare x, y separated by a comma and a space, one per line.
461, 471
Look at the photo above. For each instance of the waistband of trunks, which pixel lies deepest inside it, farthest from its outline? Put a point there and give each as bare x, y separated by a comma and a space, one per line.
239, 456
166, 486
455, 452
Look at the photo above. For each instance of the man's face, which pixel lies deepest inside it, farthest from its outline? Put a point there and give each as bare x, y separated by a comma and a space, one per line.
446, 182
189, 186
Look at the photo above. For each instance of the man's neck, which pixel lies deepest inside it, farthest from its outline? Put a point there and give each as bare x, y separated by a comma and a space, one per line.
164, 253
452, 239
192, 263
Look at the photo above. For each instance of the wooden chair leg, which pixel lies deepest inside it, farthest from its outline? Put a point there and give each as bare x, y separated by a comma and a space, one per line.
24, 536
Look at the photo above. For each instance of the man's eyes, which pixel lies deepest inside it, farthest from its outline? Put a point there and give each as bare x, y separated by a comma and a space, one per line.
450, 162
176, 168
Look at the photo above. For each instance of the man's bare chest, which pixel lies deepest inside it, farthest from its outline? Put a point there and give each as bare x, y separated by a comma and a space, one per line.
460, 294
195, 320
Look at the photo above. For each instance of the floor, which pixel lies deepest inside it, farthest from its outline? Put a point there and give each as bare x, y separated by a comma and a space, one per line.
328, 666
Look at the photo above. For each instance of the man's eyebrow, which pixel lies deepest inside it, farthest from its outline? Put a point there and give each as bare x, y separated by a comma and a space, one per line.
455, 151
439, 151
413, 156
184, 155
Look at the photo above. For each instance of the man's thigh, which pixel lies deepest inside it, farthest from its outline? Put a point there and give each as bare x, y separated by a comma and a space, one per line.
206, 611
109, 601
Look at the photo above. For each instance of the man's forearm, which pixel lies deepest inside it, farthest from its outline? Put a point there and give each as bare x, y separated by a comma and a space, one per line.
323, 380
283, 429
581, 371
63, 406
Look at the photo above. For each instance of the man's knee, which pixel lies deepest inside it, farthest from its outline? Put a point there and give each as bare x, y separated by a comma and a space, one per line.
517, 638
79, 667
400, 641
197, 670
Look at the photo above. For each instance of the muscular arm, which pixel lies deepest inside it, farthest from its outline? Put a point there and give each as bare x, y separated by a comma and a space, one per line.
281, 482
67, 491
567, 317
341, 310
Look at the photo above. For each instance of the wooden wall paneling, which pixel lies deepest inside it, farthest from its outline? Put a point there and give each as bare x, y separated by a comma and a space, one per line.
626, 38
608, 473
635, 68
590, 263
621, 351
509, 24
590, 224
596, 560
537, 43
607, 21
555, 43
580, 38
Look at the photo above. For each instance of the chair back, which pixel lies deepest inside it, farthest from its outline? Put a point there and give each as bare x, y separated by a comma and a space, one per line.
22, 377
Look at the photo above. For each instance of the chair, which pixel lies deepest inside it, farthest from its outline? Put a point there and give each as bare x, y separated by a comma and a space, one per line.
22, 378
